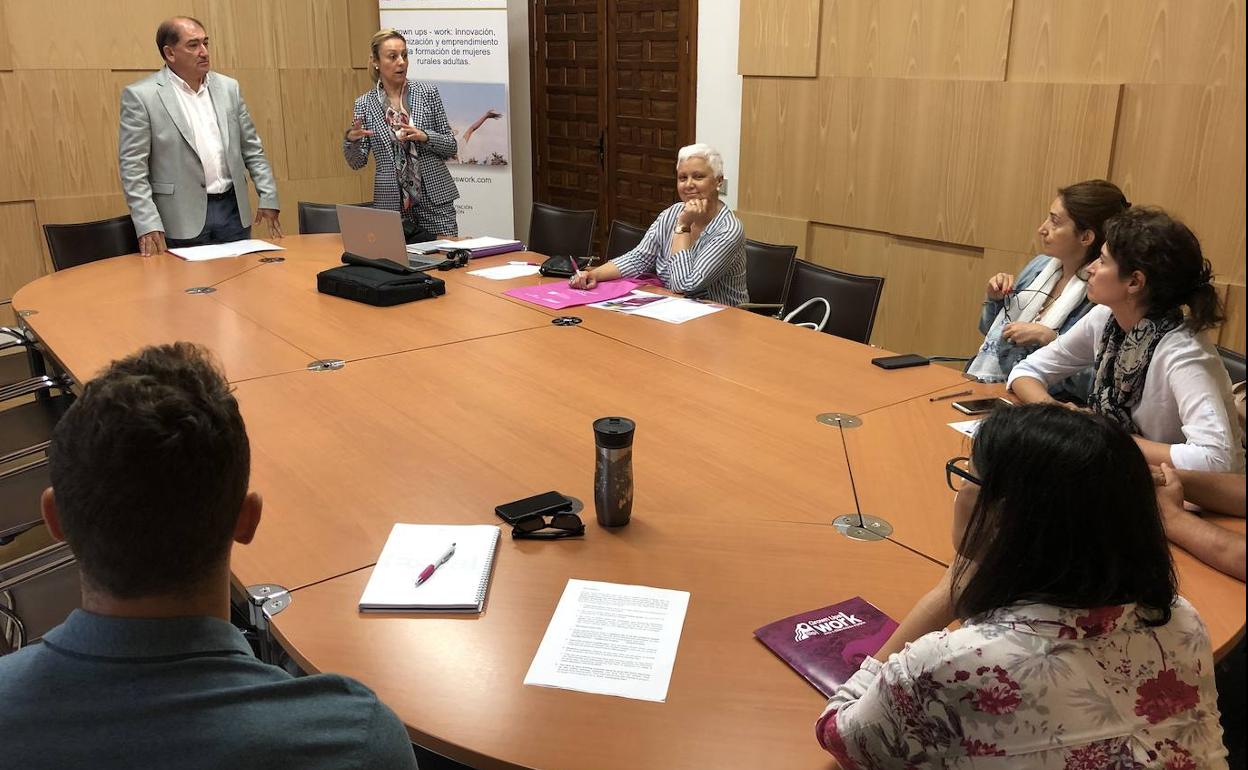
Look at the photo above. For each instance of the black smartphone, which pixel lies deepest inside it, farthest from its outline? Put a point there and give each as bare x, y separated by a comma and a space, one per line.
545, 504
980, 405
900, 362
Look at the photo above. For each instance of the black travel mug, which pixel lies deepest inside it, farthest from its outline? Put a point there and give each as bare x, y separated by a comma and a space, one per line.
613, 472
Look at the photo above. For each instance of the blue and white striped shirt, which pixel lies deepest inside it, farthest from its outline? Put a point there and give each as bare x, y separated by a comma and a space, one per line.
715, 264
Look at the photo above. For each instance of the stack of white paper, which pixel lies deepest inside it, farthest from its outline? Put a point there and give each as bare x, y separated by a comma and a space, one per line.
222, 250
611, 639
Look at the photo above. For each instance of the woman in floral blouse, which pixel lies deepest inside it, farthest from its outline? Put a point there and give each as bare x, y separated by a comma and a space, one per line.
1074, 651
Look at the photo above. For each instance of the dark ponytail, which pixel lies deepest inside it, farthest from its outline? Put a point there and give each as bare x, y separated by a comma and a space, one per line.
1089, 204
1175, 270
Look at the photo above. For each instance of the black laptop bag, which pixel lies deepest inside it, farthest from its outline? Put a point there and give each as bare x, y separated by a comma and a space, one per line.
378, 282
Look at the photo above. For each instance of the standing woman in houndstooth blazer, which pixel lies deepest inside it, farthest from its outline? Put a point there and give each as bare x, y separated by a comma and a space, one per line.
403, 123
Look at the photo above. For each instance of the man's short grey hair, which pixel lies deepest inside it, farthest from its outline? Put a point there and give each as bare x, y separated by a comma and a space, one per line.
707, 153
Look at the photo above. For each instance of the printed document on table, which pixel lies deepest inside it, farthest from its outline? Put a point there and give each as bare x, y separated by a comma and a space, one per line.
966, 427
611, 639
630, 303
676, 310
223, 250
428, 247
507, 271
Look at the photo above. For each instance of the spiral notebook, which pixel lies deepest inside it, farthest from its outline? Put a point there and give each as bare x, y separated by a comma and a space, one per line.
459, 585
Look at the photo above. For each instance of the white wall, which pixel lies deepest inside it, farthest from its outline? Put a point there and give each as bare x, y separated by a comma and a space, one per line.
719, 85
521, 110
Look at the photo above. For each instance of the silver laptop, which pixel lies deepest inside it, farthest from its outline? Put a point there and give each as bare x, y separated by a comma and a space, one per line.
378, 234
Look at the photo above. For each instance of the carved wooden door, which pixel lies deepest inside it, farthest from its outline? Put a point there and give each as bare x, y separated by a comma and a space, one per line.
613, 100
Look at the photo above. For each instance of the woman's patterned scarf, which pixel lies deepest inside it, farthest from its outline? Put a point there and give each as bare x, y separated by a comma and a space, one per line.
1123, 365
406, 167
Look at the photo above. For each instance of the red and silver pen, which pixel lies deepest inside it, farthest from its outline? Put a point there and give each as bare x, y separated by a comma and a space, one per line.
427, 572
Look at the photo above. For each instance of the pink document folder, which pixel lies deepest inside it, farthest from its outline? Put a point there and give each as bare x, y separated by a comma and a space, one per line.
558, 295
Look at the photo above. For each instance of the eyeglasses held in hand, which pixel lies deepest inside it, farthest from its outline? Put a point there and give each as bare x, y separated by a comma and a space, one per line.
960, 467
1014, 303
559, 525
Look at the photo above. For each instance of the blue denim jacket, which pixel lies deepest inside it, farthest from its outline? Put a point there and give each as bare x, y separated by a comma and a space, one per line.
1078, 385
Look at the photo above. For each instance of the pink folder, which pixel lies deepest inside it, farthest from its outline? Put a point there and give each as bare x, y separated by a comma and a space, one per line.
558, 295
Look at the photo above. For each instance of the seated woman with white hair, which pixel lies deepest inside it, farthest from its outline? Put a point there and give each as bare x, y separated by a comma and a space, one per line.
696, 246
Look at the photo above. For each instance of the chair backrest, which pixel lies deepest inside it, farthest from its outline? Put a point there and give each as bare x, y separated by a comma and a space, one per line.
853, 299
623, 238
321, 217
768, 271
561, 232
1234, 363
77, 244
40, 589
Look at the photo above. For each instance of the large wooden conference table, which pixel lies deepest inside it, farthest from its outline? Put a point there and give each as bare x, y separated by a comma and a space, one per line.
448, 407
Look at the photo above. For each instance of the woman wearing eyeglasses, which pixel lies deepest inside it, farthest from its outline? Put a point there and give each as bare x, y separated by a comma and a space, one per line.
1154, 374
1073, 650
1021, 315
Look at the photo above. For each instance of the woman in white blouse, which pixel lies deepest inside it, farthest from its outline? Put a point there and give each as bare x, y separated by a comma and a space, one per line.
1074, 652
1154, 374
696, 246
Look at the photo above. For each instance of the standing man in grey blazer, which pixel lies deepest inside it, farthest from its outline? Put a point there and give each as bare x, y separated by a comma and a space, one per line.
186, 145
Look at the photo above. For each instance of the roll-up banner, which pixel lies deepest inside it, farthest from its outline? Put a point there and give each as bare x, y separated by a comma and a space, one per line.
460, 46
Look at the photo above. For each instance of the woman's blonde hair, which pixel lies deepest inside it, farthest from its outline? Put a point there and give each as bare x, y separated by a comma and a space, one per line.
374, 46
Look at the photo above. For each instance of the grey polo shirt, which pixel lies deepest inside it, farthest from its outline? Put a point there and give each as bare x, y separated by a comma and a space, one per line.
104, 692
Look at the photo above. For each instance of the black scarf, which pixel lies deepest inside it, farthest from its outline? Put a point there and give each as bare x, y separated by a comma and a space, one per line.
1123, 364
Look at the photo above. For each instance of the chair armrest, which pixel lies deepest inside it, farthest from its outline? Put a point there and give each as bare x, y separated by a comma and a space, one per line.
12, 338
31, 386
762, 308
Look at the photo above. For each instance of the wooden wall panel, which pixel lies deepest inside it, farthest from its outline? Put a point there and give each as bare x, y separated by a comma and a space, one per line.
363, 21
17, 180
1128, 41
312, 33
71, 34
779, 37
243, 33
316, 108
938, 139
854, 162
6, 46
1182, 148
778, 166
969, 162
1039, 137
23, 258
957, 39
74, 130
1232, 334
777, 230
263, 94
955, 121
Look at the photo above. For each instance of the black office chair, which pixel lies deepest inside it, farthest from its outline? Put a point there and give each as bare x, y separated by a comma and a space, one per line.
20, 490
15, 366
623, 238
830, 301
77, 244
321, 217
561, 232
26, 429
1234, 363
37, 593
768, 271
